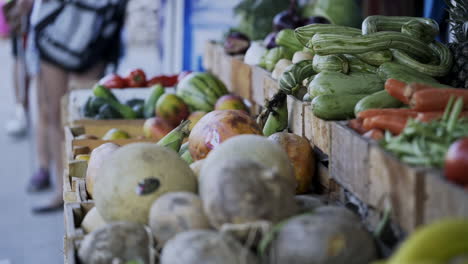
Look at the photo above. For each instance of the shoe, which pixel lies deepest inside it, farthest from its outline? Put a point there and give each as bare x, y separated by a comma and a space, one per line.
55, 204
40, 181
18, 127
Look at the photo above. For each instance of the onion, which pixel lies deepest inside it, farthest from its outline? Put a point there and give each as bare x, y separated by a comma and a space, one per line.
456, 162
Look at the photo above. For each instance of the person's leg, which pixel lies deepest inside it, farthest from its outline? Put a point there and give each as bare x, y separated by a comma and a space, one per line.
18, 125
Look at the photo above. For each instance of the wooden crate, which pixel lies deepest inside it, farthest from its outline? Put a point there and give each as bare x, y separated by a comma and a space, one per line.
442, 198
317, 131
349, 160
296, 112
74, 171
74, 214
73, 102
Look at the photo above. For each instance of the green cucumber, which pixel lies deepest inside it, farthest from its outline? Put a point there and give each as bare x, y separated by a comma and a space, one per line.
335, 83
305, 33
419, 30
357, 65
374, 24
377, 100
150, 103
392, 70
286, 38
335, 63
375, 58
335, 107
444, 66
102, 92
326, 44
291, 79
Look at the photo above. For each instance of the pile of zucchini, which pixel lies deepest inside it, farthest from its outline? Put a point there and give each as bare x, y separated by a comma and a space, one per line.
350, 66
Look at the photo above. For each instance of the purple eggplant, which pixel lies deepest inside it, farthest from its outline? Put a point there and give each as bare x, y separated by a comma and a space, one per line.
236, 43
270, 41
314, 20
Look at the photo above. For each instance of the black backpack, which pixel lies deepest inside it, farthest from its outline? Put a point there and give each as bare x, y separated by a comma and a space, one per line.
76, 34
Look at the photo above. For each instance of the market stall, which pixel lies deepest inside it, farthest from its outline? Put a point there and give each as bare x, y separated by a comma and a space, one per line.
333, 145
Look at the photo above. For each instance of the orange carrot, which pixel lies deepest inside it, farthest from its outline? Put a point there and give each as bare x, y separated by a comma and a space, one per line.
436, 99
376, 134
387, 111
356, 125
430, 116
396, 89
412, 88
394, 124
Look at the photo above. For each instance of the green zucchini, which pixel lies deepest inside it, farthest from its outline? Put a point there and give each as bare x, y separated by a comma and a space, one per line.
286, 38
392, 70
375, 58
326, 44
374, 24
444, 66
291, 80
419, 30
335, 107
305, 33
377, 100
336, 63
276, 54
336, 83
357, 65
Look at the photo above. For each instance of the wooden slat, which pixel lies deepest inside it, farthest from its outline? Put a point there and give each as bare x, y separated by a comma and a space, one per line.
99, 128
443, 199
296, 115
270, 86
317, 131
349, 160
76, 169
258, 91
241, 75
81, 193
398, 185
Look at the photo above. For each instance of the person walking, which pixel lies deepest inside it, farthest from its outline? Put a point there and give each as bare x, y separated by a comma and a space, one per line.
67, 39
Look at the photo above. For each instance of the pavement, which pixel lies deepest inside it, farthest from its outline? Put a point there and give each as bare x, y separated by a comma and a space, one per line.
25, 237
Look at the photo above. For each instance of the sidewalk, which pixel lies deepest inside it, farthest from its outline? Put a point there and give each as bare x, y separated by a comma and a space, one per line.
26, 238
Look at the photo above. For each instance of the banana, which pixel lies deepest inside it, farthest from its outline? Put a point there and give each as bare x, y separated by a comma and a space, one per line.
275, 116
438, 243
173, 139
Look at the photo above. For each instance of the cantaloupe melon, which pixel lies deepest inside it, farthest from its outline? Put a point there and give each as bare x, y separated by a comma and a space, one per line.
174, 213
98, 155
134, 176
205, 247
238, 191
325, 238
117, 242
255, 148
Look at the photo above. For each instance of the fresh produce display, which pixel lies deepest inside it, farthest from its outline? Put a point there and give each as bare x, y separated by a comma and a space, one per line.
216, 127
229, 180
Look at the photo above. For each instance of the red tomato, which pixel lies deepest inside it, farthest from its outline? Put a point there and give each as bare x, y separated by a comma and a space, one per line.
136, 78
456, 162
164, 80
113, 81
